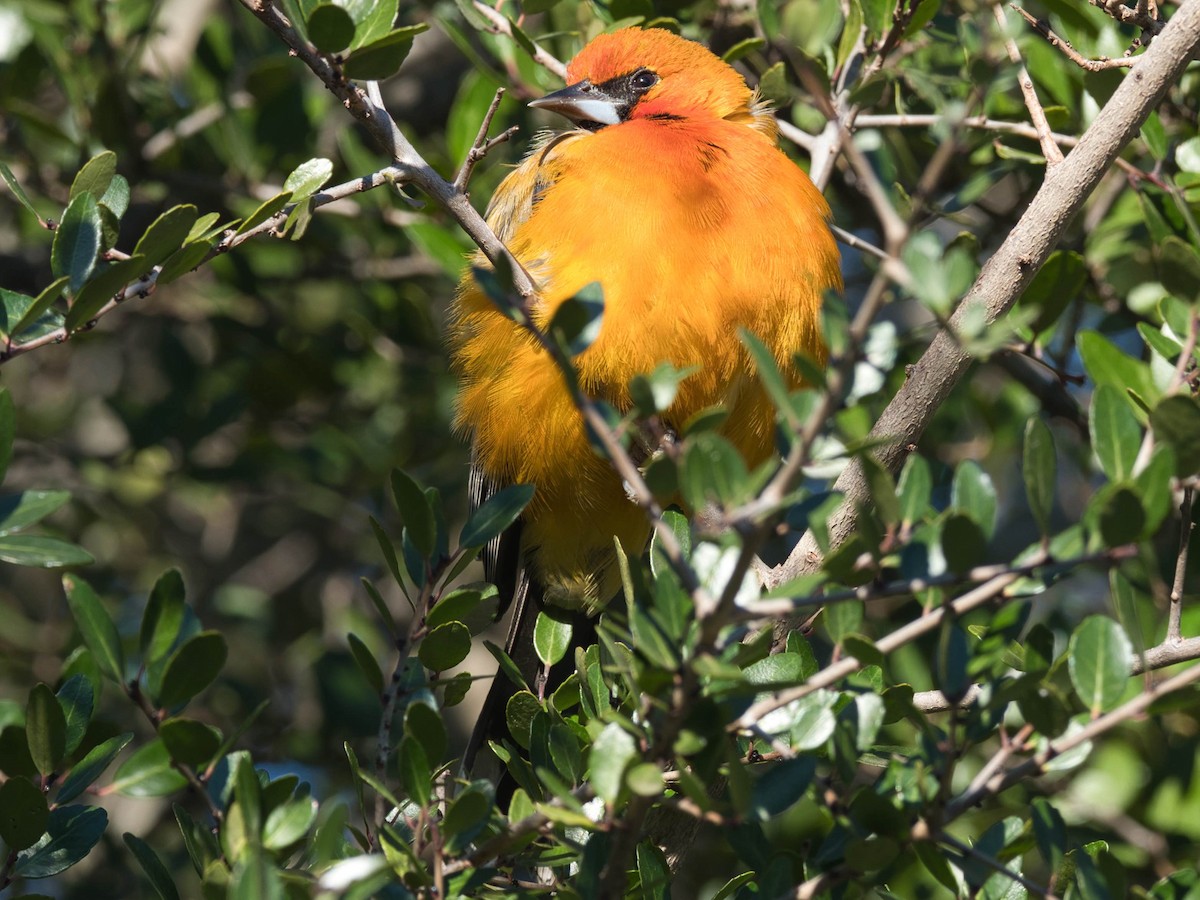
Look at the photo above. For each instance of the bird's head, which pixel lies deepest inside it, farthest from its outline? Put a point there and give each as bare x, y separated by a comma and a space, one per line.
645, 74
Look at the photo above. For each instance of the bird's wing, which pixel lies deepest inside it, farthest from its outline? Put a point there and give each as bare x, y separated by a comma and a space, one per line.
513, 203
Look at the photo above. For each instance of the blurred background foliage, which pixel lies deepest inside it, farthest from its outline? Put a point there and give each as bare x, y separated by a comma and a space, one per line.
240, 423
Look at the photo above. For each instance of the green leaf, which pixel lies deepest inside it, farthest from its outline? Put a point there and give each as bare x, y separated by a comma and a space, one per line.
914, 489
77, 241
495, 515
1050, 831
781, 785
576, 323
445, 647
18, 191
289, 823
1155, 136
382, 58
1099, 660
415, 512
1122, 519
474, 605
1179, 269
19, 511
1109, 365
712, 471
415, 774
366, 662
23, 813
102, 287
183, 261
330, 28
373, 19
148, 773
742, 48
97, 629
157, 874
552, 635
1040, 472
165, 235
91, 767
20, 314
424, 724
265, 211
467, 815
308, 178
77, 701
95, 176
842, 618
71, 833
1116, 435
1056, 284
950, 669
1176, 421
974, 494
192, 667
963, 542
163, 619
612, 752
188, 741
42, 552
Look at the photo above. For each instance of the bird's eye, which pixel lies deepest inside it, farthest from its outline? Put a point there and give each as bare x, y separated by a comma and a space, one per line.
643, 80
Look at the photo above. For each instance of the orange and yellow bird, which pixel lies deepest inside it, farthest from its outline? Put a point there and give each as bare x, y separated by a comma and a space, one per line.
671, 192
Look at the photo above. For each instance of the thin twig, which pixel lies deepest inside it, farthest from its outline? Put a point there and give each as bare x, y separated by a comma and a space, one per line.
501, 25
1091, 65
1175, 614
482, 145
1036, 114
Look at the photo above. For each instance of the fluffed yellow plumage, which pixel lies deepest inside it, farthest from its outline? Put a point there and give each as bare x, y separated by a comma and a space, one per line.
672, 194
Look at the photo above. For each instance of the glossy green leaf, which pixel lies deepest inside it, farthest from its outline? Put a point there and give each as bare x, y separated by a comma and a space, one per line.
383, 57
1040, 469
188, 741
1121, 517
23, 813
973, 493
445, 647
156, 873
96, 627
183, 261
192, 667
77, 241
19, 511
91, 767
266, 210
148, 773
495, 515
712, 471
963, 542
577, 322
415, 512
330, 28
552, 635
841, 619
71, 833
42, 552
613, 751
467, 815
366, 662
1107, 364
1179, 269
18, 191
1176, 421
308, 178
102, 286
1116, 435
289, 823
163, 619
372, 19
30, 317
914, 489
77, 700
165, 235
424, 724
1099, 659
95, 176
781, 785
415, 773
